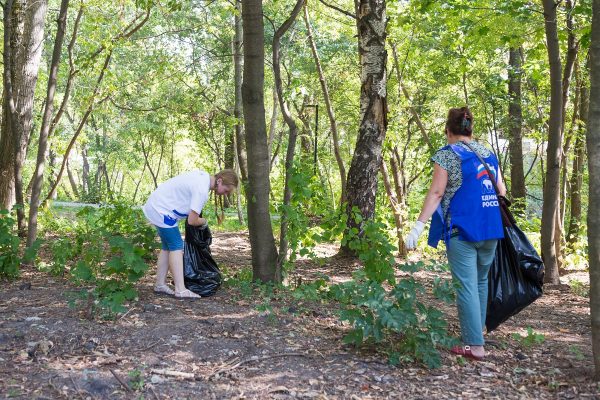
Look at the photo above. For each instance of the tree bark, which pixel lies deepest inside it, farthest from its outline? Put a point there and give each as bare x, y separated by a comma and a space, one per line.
593, 220
238, 112
395, 208
328, 105
362, 177
572, 50
38, 175
273, 124
73, 182
553, 156
264, 253
515, 120
23, 42
289, 120
578, 165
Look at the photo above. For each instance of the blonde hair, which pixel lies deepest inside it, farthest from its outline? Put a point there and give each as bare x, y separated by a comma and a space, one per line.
228, 177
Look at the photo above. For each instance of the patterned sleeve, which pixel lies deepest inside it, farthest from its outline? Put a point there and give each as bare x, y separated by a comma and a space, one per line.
446, 159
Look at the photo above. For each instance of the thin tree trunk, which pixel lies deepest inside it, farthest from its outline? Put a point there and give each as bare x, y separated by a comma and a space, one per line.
73, 182
552, 182
362, 177
38, 175
328, 105
395, 208
593, 220
137, 185
515, 120
578, 165
289, 120
411, 108
399, 186
238, 111
572, 49
238, 194
273, 124
264, 253
147, 161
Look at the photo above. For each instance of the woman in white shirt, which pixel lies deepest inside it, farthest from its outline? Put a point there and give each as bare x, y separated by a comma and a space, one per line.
183, 196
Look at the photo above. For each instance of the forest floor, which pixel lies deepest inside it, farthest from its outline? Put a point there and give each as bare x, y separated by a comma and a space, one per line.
231, 346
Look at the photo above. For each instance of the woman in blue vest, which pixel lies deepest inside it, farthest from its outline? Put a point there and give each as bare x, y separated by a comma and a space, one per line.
466, 215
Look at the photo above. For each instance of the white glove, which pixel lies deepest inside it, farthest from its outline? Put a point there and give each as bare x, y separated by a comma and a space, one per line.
413, 236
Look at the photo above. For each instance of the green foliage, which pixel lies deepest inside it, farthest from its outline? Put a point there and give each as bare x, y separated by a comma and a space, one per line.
312, 291
306, 202
530, 339
577, 353
9, 246
395, 314
62, 251
136, 379
242, 280
579, 288
266, 309
10, 258
112, 244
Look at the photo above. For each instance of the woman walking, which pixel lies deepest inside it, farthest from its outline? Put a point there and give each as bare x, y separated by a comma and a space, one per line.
466, 215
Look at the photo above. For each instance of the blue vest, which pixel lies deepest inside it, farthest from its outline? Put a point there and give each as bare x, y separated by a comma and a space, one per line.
474, 208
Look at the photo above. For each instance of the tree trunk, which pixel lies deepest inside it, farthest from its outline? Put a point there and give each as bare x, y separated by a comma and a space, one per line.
593, 220
515, 120
328, 105
572, 50
38, 175
238, 108
362, 177
578, 164
404, 92
289, 120
264, 253
23, 42
72, 181
273, 124
238, 193
395, 208
553, 156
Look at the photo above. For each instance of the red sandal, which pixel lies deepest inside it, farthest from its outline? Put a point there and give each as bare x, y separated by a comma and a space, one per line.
465, 351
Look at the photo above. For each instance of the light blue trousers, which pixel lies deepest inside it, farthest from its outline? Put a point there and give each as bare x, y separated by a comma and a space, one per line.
470, 263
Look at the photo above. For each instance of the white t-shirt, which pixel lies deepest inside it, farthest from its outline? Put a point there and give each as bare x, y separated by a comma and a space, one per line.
174, 199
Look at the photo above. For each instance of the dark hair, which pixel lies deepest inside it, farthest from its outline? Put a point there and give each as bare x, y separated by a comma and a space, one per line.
460, 121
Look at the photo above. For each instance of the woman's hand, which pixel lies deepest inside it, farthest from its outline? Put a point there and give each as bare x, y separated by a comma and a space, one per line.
413, 236
196, 220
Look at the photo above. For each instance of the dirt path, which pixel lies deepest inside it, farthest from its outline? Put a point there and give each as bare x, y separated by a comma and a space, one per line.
231, 346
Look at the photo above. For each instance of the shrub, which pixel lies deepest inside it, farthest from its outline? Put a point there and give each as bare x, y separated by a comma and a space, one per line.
10, 260
9, 246
383, 310
113, 244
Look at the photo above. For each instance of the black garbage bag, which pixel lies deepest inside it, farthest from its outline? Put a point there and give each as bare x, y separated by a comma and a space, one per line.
200, 271
516, 276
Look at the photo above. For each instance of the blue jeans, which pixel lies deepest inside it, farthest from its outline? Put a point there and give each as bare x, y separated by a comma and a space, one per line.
470, 263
